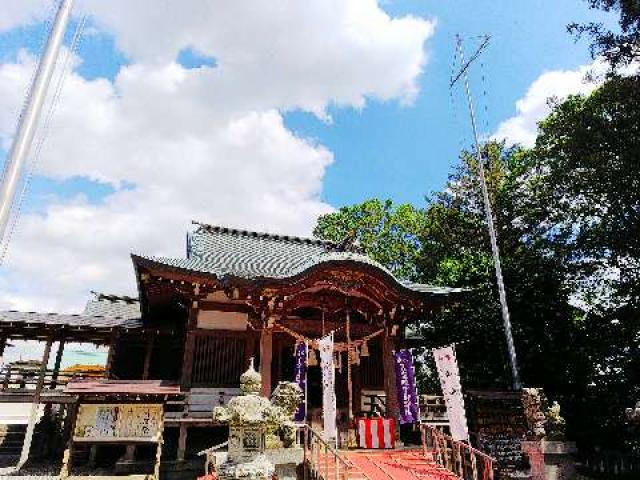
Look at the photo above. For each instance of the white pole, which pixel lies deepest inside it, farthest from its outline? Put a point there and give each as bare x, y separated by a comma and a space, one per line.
30, 116
506, 317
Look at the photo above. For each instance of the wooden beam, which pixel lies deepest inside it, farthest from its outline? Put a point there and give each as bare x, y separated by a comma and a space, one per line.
58, 361
147, 356
266, 356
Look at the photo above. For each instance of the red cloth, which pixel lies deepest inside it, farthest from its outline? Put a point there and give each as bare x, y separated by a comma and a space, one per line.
376, 432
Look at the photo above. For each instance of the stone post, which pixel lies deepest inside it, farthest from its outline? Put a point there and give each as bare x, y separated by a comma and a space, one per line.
551, 460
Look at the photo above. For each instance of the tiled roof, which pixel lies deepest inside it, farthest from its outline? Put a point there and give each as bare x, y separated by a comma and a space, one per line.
75, 321
113, 306
102, 312
240, 253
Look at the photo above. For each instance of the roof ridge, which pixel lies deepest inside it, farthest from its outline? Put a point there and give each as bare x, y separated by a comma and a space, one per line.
270, 236
112, 297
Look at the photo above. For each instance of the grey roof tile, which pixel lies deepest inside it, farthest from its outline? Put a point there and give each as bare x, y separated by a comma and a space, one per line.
70, 320
240, 253
113, 306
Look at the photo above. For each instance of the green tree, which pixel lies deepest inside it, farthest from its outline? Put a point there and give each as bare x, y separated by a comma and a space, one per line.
448, 245
581, 204
583, 191
388, 233
618, 48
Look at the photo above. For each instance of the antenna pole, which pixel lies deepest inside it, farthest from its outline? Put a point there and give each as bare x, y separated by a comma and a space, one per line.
506, 318
30, 116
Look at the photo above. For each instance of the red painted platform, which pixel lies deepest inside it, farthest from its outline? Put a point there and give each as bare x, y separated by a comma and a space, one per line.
397, 465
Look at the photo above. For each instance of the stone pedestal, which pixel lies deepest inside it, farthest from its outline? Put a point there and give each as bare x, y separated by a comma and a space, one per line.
286, 461
551, 460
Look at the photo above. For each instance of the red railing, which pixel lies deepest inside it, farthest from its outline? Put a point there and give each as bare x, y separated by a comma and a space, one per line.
321, 460
459, 458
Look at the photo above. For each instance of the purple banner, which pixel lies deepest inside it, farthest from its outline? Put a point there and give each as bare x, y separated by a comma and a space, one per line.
406, 387
300, 377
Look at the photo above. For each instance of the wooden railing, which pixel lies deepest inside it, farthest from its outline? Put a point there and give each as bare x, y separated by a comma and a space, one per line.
21, 378
459, 458
321, 460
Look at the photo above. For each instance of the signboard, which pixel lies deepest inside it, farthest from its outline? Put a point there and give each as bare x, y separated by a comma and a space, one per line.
117, 422
499, 425
449, 374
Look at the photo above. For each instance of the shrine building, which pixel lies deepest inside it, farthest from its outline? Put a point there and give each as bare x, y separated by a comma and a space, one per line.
237, 295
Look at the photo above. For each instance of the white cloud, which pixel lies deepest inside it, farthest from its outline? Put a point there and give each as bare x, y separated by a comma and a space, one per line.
178, 144
534, 106
23, 12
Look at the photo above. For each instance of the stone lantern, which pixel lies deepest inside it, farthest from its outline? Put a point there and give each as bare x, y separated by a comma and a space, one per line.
248, 416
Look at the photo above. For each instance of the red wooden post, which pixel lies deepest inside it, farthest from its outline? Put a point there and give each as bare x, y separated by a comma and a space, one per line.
266, 354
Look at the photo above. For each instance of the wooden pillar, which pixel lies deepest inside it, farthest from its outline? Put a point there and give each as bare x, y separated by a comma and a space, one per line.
28, 437
70, 423
43, 369
182, 442
357, 387
147, 356
350, 356
58, 361
130, 453
93, 453
187, 360
3, 344
266, 355
189, 346
388, 347
111, 355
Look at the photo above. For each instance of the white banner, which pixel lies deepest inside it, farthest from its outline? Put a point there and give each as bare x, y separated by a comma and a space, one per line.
449, 374
328, 388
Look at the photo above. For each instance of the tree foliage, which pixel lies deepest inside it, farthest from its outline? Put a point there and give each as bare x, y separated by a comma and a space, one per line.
618, 48
562, 210
584, 190
388, 233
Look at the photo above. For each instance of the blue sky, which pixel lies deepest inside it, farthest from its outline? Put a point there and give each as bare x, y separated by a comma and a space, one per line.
388, 149
239, 114
403, 153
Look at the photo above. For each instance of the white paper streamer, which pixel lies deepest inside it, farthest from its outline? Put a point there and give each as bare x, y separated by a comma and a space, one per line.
447, 366
328, 388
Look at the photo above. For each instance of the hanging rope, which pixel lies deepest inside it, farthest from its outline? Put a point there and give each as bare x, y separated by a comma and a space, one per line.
338, 346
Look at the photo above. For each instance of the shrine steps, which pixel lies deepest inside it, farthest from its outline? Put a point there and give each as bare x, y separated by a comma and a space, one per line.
396, 465
11, 439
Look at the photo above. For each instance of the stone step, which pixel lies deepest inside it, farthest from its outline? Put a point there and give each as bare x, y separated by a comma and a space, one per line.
11, 439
